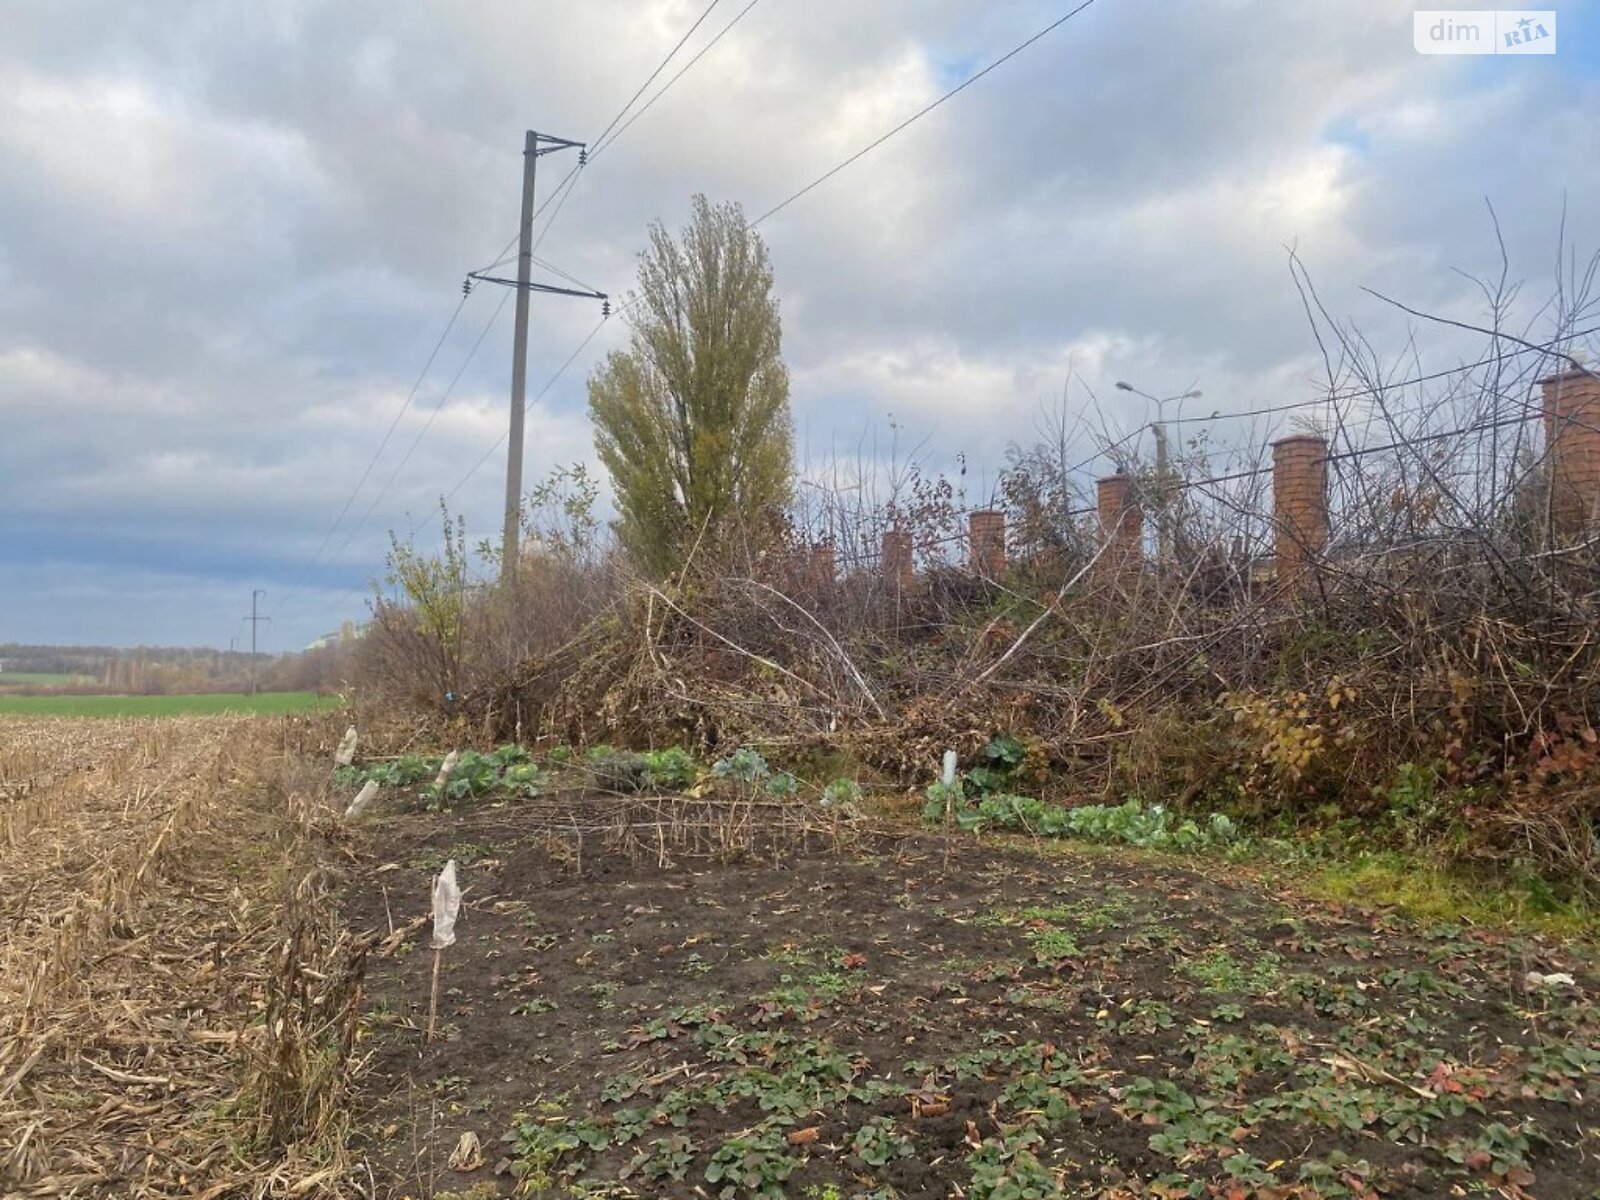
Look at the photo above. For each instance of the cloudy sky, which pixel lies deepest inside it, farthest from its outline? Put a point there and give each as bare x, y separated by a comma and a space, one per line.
231, 233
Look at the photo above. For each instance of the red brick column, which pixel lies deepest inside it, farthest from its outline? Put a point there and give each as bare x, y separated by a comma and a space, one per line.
1572, 440
1121, 525
897, 566
986, 535
1299, 502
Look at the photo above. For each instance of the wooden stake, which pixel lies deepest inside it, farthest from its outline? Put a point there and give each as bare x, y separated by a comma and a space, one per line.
433, 993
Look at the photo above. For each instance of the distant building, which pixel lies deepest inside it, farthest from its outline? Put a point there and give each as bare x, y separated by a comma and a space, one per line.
348, 632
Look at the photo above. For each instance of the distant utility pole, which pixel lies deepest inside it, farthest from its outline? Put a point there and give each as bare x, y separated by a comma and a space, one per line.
255, 622
1164, 497
1163, 526
534, 146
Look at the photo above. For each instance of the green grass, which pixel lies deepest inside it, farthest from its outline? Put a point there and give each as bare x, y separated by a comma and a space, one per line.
41, 679
272, 703
1429, 892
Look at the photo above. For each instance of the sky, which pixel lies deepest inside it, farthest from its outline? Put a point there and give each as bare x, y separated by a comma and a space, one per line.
232, 233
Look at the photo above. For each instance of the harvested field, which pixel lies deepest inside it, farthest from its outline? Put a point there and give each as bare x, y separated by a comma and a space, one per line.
625, 1017
158, 903
672, 996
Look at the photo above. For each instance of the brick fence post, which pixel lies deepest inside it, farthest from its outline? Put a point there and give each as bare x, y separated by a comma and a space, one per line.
1299, 503
1121, 525
1572, 441
898, 570
986, 536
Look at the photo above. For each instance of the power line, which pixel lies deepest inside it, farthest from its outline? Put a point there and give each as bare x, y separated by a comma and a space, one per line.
559, 198
567, 275
294, 587
505, 256
564, 189
1336, 396
568, 184
659, 68
549, 383
427, 425
602, 146
1419, 439
917, 116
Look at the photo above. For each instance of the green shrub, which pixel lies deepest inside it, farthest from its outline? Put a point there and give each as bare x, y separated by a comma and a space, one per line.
673, 767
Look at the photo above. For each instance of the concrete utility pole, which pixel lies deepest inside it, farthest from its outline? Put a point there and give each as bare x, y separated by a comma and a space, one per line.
255, 622
534, 145
1163, 526
509, 548
1158, 427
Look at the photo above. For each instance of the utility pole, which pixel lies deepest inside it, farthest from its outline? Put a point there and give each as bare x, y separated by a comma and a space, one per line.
1165, 491
255, 622
1164, 500
509, 548
533, 147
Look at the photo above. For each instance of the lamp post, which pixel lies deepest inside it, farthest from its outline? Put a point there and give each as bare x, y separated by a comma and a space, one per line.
1159, 428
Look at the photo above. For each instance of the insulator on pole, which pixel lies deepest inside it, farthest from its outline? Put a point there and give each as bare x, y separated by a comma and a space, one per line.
466, 287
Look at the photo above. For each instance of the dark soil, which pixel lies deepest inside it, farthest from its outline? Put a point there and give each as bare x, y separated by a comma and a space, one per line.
875, 1022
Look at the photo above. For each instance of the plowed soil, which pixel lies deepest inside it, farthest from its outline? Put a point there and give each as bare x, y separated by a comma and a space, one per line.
907, 1019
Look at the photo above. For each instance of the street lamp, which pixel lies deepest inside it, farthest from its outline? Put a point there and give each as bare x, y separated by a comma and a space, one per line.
1159, 429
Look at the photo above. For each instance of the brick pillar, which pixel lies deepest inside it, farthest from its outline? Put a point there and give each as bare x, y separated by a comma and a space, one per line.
1121, 525
820, 565
1299, 502
1572, 441
986, 539
897, 566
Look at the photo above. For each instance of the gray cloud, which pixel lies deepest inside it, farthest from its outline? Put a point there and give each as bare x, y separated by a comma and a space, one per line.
231, 232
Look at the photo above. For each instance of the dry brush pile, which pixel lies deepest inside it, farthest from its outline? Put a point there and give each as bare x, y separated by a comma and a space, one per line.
1429, 676
177, 1001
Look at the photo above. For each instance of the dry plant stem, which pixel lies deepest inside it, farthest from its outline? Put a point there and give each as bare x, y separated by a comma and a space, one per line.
855, 672
433, 994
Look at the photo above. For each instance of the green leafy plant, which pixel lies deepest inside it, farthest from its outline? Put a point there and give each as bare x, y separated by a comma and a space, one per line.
1130, 823
782, 786
841, 794
673, 767
879, 1142
943, 799
997, 763
745, 765
756, 1164
541, 1151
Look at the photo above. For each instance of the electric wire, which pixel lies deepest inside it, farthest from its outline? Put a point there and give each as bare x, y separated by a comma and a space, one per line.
427, 425
548, 384
919, 114
602, 146
394, 423
671, 54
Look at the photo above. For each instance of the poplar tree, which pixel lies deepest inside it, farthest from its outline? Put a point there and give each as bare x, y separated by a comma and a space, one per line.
692, 420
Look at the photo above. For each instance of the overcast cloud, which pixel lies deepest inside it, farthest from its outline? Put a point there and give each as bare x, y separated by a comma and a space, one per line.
230, 233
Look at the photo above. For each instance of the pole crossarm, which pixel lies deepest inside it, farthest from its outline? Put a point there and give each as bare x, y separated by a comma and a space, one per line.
531, 286
545, 143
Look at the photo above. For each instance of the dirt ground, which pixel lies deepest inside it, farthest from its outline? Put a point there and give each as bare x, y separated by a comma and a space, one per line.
883, 1022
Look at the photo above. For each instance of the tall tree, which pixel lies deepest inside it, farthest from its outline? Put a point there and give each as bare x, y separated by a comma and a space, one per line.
692, 421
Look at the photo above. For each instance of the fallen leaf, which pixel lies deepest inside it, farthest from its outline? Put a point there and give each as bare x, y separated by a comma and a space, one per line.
468, 1154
